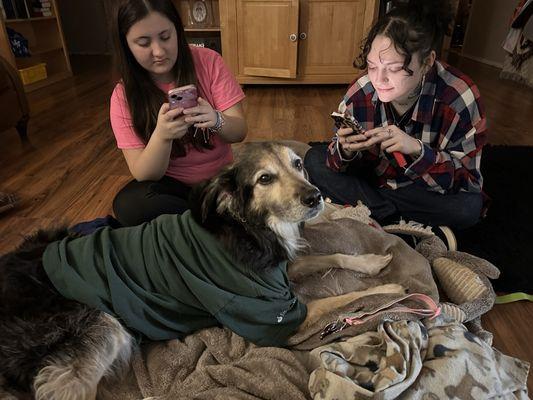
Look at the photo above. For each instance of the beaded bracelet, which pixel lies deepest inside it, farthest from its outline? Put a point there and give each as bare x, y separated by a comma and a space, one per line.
207, 132
219, 124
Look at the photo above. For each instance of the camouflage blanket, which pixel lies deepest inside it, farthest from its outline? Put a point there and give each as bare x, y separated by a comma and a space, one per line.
437, 359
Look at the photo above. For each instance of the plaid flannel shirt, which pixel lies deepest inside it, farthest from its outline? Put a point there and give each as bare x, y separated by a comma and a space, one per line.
448, 119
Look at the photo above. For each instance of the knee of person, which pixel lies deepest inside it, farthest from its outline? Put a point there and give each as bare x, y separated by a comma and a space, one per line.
316, 154
128, 205
121, 208
315, 159
465, 217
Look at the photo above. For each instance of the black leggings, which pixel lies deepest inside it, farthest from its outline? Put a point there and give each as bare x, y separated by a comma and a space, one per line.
139, 202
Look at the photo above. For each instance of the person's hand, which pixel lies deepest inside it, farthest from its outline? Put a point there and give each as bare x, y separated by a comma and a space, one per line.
391, 139
171, 124
350, 142
202, 116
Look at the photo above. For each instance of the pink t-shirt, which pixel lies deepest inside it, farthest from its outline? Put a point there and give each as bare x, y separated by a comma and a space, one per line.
218, 86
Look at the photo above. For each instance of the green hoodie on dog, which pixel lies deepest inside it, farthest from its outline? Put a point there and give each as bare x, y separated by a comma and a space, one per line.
170, 277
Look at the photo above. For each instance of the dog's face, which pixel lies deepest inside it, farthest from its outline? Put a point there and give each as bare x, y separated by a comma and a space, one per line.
264, 187
279, 188
266, 181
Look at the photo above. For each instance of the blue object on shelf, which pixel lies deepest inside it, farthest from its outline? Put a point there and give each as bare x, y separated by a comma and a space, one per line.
19, 44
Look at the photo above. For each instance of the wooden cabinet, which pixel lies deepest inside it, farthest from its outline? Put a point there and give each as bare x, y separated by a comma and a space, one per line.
267, 38
46, 44
294, 41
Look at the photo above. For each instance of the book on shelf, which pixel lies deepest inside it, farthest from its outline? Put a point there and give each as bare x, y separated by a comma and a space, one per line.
41, 8
41, 12
2, 11
23, 9
212, 43
13, 9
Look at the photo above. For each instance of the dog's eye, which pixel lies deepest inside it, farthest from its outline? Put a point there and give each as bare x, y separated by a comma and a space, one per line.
298, 164
265, 179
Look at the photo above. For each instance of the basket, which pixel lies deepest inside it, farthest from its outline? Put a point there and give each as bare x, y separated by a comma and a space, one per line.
33, 74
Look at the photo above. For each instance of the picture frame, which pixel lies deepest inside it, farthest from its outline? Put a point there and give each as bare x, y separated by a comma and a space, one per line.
201, 13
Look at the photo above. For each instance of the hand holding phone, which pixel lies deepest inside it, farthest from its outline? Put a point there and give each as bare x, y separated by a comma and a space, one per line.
348, 121
183, 97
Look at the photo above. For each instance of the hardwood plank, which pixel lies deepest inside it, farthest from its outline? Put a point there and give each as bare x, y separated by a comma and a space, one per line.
72, 169
511, 325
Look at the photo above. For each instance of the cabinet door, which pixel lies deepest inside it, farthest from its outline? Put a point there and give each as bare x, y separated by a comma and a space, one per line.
265, 45
333, 33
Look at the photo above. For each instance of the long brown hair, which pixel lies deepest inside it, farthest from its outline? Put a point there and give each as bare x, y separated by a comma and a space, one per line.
143, 96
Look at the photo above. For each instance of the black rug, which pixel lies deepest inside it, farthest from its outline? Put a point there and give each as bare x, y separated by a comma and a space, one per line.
505, 236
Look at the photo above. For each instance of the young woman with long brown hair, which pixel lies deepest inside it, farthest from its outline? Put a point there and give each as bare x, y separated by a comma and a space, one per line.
167, 150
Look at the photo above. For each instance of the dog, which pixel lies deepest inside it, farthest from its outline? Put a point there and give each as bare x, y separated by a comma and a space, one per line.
59, 347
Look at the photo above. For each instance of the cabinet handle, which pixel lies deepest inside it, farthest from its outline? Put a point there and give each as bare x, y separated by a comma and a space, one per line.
293, 37
303, 36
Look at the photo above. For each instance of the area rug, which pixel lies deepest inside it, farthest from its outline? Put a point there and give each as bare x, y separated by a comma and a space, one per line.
505, 235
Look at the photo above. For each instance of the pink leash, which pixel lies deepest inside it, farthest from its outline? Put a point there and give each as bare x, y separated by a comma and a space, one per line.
430, 310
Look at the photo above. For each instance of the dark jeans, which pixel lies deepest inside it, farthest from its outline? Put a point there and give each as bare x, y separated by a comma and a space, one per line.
412, 202
139, 202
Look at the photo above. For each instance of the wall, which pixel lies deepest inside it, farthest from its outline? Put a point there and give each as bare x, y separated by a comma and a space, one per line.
487, 28
84, 26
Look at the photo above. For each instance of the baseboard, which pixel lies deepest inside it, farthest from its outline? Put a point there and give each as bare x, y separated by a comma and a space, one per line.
483, 60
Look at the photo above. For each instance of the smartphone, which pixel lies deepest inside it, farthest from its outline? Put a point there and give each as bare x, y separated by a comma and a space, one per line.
344, 121
184, 97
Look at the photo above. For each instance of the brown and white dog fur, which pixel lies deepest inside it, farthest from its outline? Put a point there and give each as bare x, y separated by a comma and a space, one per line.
60, 349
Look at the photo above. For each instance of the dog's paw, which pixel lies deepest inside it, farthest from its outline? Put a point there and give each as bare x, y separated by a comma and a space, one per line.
388, 288
369, 264
373, 263
63, 383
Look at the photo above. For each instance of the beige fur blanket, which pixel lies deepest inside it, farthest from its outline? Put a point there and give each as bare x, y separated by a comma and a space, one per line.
217, 364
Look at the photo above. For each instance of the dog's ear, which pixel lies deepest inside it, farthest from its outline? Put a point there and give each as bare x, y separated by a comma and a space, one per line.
216, 196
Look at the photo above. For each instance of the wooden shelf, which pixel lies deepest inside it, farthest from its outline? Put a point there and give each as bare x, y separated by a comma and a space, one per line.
45, 82
9, 21
217, 29
46, 45
37, 51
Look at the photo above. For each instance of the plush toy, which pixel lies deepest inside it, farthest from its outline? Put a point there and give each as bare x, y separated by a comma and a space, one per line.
464, 278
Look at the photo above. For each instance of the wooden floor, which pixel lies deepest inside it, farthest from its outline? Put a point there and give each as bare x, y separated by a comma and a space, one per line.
72, 169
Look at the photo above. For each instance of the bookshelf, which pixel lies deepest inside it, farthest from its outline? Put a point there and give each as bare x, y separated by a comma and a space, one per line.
45, 40
205, 33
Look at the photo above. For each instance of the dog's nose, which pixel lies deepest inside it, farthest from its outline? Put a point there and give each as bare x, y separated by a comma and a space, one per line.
311, 198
